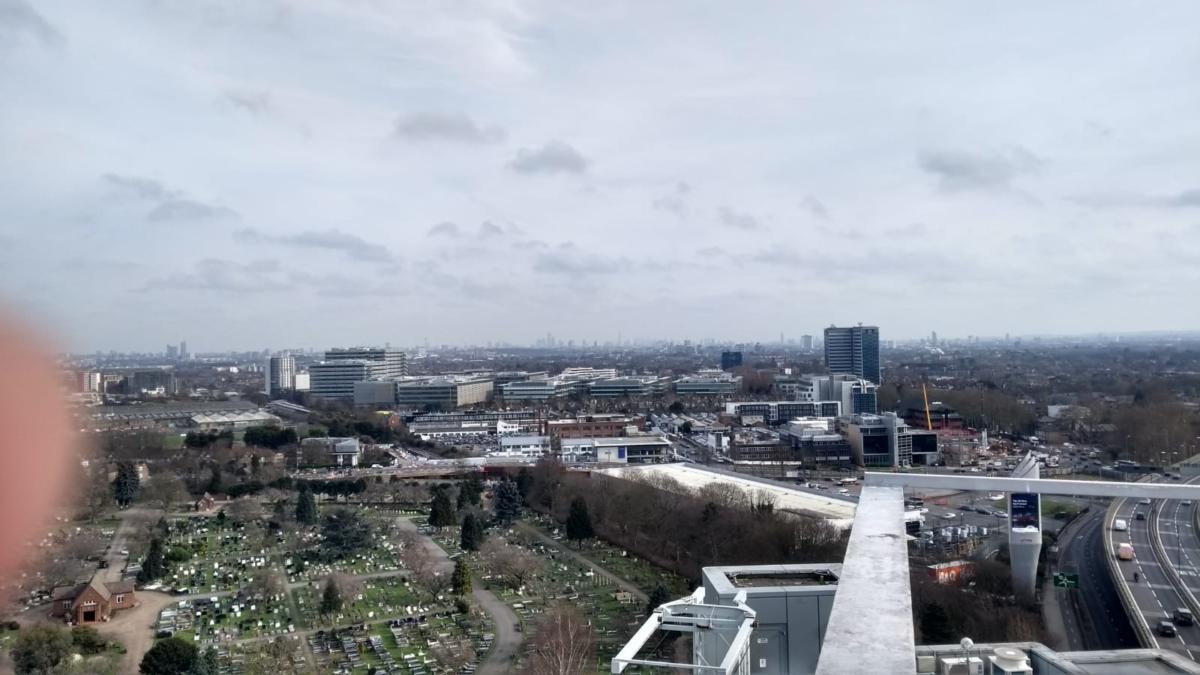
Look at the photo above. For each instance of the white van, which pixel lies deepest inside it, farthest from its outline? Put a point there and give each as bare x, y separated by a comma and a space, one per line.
1120, 525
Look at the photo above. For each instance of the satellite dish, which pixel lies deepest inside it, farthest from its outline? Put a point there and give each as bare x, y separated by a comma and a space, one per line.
966, 643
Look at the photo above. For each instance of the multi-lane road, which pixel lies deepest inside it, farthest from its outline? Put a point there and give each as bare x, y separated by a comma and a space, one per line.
1099, 622
1156, 592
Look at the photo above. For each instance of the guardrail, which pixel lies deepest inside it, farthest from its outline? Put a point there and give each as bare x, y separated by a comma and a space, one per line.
1136, 618
1173, 575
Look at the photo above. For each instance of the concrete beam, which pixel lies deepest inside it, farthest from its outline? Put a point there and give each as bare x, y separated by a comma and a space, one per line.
871, 625
1046, 486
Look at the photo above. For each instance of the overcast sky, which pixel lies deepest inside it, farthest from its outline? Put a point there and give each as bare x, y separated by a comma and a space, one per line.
285, 173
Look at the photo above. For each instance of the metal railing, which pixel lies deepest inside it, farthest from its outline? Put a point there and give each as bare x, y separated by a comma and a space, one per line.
1140, 626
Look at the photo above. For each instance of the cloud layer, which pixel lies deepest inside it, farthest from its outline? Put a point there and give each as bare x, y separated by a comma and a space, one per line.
397, 172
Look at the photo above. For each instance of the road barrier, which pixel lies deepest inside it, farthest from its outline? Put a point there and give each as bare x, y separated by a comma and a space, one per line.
1173, 575
1136, 619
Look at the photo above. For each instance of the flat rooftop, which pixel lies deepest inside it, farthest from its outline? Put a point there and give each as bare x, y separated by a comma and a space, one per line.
693, 478
816, 578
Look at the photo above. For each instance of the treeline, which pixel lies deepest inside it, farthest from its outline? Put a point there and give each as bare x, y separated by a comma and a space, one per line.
985, 612
682, 532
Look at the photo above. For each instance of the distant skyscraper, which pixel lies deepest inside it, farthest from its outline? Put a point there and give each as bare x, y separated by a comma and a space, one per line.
280, 374
853, 349
731, 360
183, 352
172, 352
933, 338
806, 343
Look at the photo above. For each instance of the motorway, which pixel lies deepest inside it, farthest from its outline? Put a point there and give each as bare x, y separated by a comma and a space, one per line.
1100, 622
1154, 593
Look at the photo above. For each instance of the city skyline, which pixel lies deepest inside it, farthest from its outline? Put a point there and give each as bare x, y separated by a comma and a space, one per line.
398, 172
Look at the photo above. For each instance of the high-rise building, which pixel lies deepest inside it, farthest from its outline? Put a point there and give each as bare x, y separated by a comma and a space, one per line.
731, 360
853, 349
280, 374
335, 376
183, 352
172, 352
806, 342
385, 363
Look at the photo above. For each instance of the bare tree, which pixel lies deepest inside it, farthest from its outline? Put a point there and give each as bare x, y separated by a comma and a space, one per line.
267, 582
563, 645
514, 565
244, 510
97, 493
348, 586
415, 557
164, 489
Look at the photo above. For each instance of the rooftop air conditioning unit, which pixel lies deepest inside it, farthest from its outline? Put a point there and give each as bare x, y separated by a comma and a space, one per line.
959, 665
926, 665
1010, 661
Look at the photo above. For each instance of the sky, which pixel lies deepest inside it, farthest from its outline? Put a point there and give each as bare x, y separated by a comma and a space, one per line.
287, 173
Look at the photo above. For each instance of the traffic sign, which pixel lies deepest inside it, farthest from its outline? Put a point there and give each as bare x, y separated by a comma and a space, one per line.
1066, 580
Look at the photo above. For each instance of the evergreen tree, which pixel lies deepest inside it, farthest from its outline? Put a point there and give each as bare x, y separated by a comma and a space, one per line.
306, 506
470, 491
215, 485
441, 511
153, 566
331, 598
508, 502
126, 484
460, 581
206, 664
169, 657
657, 597
524, 482
579, 523
935, 625
472, 532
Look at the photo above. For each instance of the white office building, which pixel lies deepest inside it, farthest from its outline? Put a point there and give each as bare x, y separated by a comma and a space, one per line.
279, 374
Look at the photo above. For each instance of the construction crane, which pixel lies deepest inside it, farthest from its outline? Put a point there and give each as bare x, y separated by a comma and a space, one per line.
928, 419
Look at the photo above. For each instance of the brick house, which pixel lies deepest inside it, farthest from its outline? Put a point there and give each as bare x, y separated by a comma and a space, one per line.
92, 602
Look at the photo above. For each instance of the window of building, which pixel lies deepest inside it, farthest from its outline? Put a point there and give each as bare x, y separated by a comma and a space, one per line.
118, 598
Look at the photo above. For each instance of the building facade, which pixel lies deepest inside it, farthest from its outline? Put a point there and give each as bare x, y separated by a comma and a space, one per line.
708, 384
92, 602
335, 379
853, 349
595, 426
385, 363
731, 360
780, 412
280, 374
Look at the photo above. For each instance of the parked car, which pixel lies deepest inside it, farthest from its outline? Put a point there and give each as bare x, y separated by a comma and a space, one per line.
949, 516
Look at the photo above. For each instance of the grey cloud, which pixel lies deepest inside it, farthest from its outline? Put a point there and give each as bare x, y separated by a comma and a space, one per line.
736, 220
253, 102
958, 171
170, 205
815, 207
1185, 199
144, 188
553, 157
18, 16
675, 200
352, 245
490, 229
456, 127
188, 209
444, 229
568, 261
909, 230
225, 276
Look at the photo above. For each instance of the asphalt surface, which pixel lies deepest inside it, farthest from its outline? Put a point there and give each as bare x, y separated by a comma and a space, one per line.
1098, 620
1154, 594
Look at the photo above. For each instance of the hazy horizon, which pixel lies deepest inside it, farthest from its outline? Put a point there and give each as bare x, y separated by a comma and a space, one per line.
334, 173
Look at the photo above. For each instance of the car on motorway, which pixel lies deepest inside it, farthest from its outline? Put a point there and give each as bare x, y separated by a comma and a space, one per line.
1139, 516
1186, 502
1166, 629
1183, 617
1120, 525
1125, 552
1144, 502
